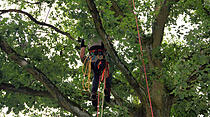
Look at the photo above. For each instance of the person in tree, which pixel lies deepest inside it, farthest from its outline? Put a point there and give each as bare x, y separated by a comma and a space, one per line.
98, 65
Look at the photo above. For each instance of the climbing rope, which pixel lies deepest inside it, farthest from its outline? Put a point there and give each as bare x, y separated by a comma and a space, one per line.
98, 97
89, 73
86, 86
103, 77
102, 106
142, 58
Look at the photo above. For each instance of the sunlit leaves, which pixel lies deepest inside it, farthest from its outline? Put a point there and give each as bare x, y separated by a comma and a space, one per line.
57, 56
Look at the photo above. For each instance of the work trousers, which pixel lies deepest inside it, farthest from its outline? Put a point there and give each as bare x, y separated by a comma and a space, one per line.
98, 68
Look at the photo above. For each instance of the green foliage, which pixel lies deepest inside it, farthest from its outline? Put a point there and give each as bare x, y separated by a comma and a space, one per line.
187, 74
57, 57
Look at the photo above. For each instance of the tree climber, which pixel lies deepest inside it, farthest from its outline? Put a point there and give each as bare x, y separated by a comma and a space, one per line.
99, 64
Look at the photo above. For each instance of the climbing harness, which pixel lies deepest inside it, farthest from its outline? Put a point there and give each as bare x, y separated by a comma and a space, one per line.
95, 56
145, 74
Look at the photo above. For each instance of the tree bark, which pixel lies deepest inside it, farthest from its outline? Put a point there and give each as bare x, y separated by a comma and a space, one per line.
161, 103
161, 99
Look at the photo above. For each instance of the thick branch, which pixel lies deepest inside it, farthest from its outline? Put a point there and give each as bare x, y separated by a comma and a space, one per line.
117, 9
38, 75
194, 74
106, 40
163, 10
38, 22
25, 90
32, 92
28, 91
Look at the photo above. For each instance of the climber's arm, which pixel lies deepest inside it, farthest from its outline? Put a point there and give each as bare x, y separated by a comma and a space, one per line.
82, 50
82, 53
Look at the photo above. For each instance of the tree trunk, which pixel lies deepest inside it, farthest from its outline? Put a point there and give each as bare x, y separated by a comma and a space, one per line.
161, 103
161, 100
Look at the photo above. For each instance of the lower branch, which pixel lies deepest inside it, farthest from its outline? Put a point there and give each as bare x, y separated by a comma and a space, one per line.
38, 75
24, 90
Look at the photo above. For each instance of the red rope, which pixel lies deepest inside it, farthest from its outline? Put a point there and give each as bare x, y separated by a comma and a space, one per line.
142, 59
104, 78
98, 97
99, 88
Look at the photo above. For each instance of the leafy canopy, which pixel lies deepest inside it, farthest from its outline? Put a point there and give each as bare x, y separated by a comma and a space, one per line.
185, 64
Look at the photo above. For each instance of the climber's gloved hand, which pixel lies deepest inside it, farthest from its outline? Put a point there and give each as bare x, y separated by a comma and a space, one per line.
102, 45
82, 43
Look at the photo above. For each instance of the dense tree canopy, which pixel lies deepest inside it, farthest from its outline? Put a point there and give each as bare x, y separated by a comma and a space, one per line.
40, 66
